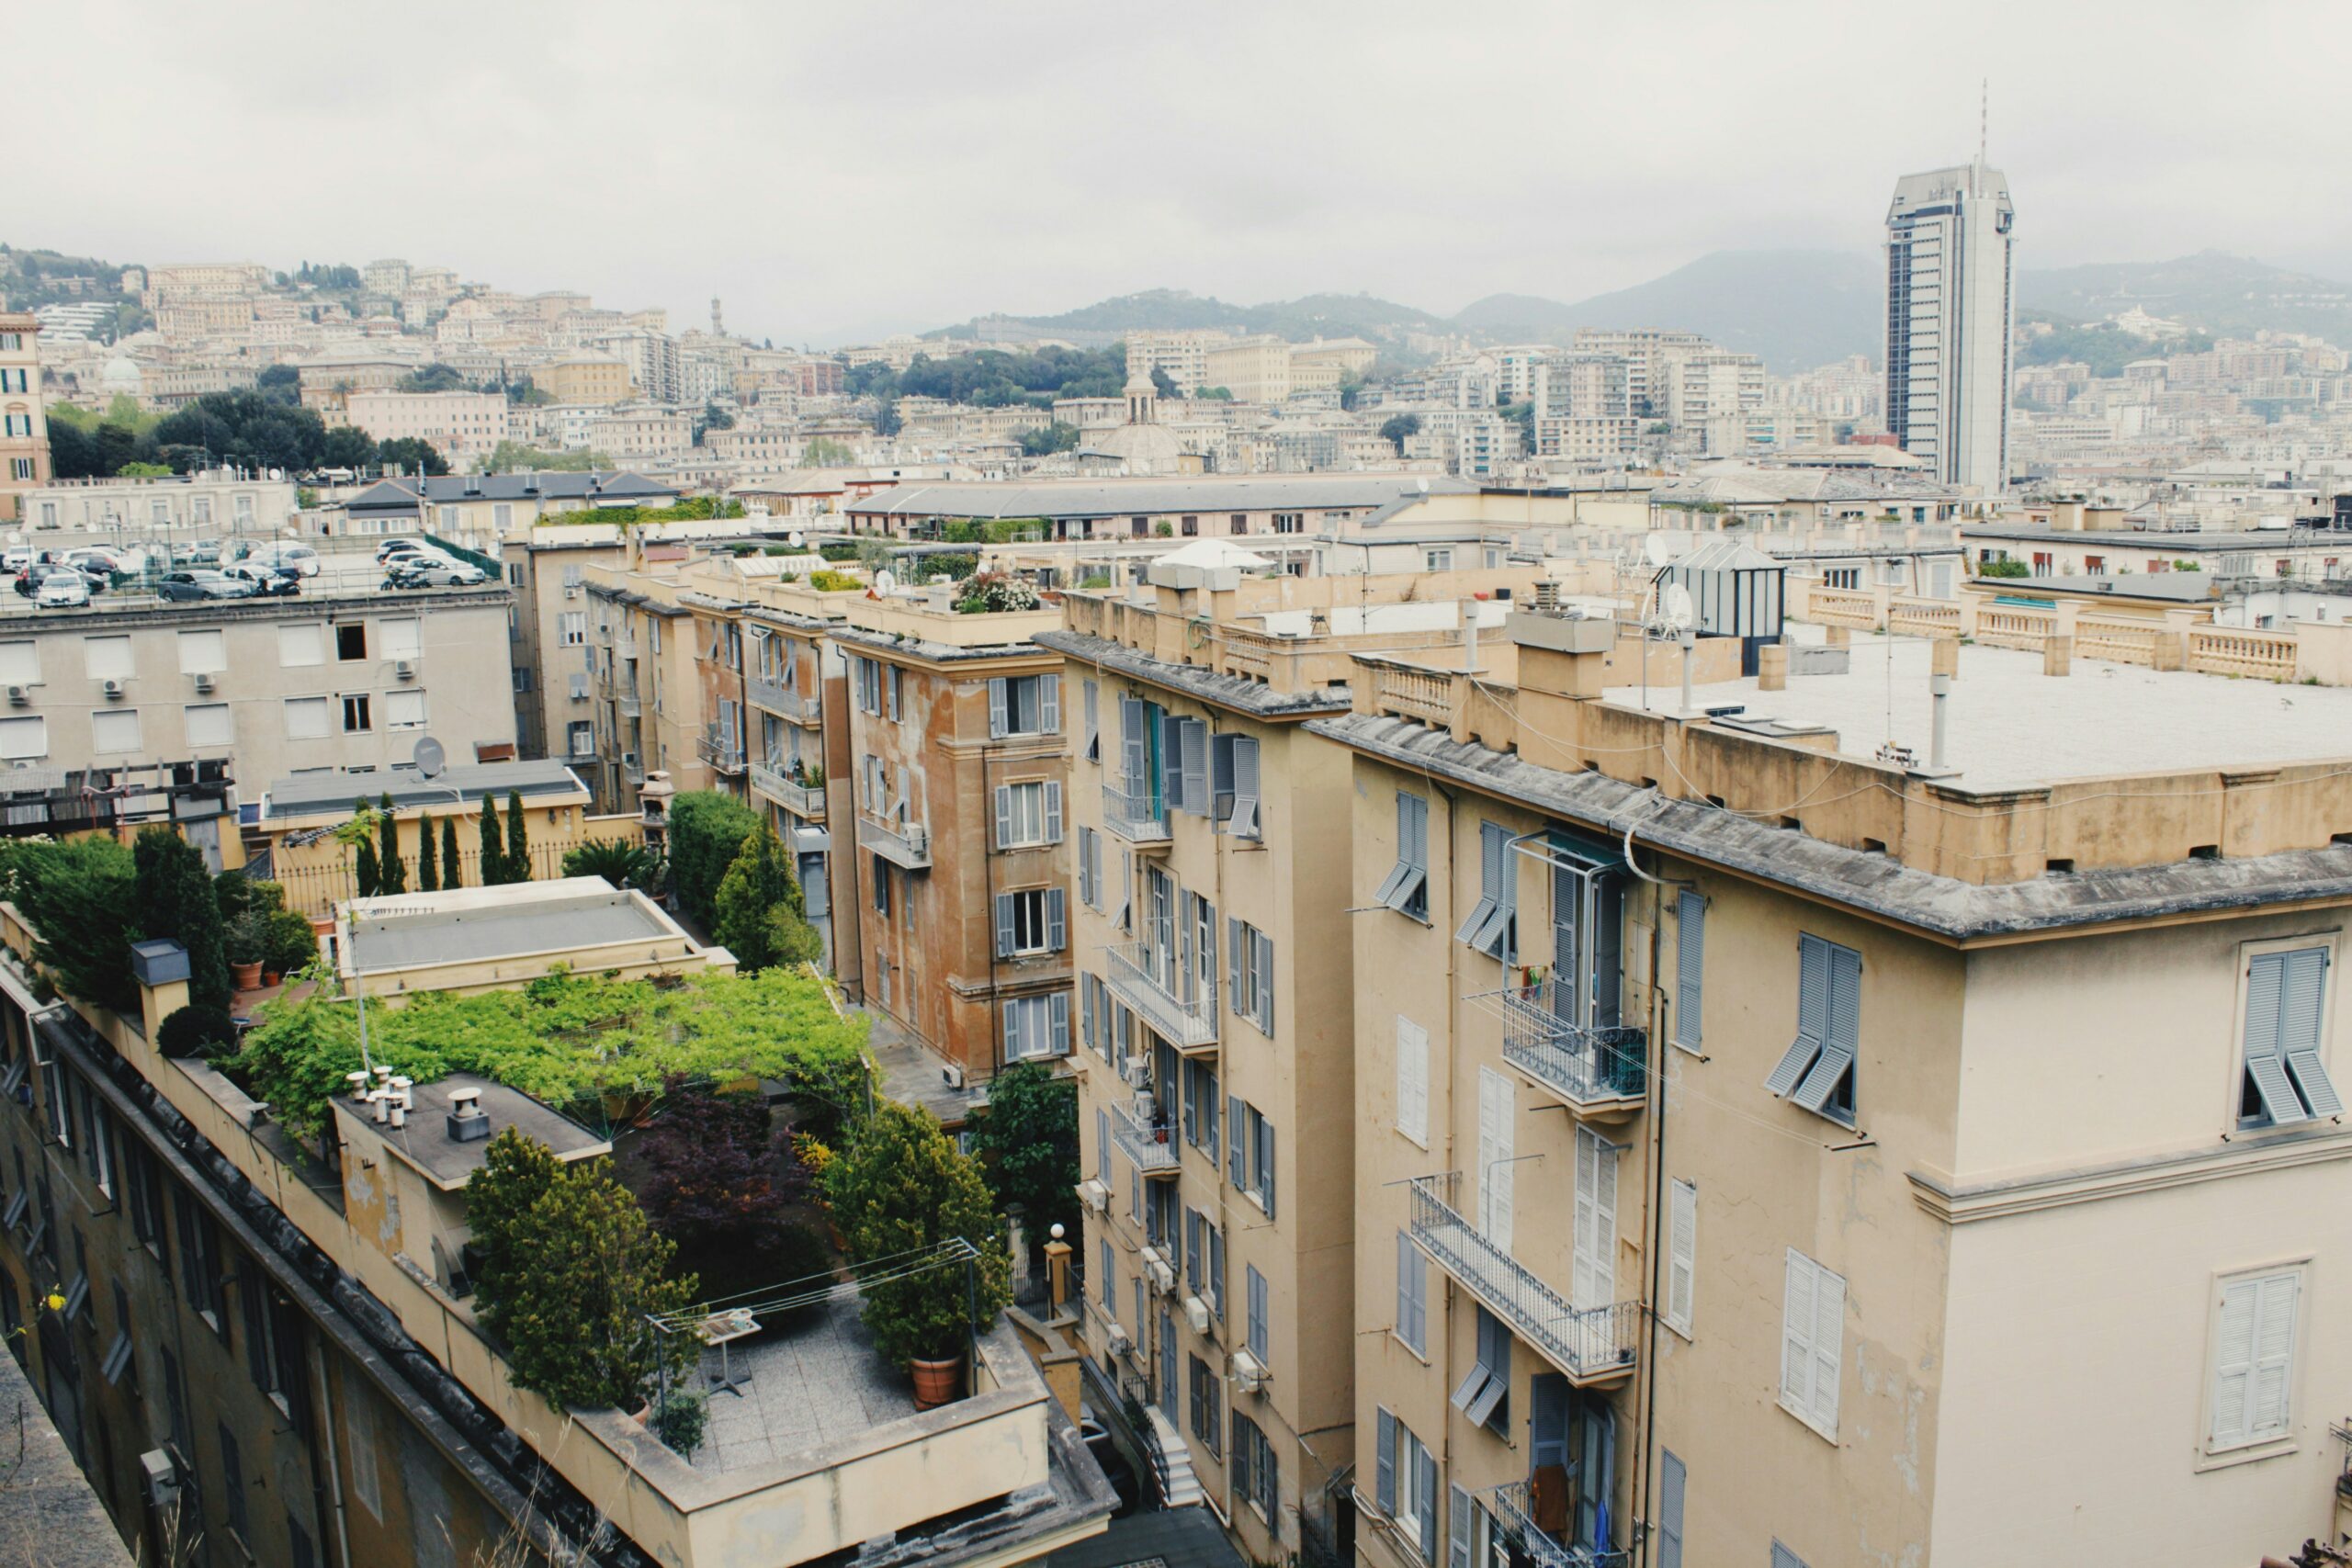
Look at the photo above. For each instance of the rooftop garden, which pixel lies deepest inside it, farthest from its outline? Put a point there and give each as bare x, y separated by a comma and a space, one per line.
693, 509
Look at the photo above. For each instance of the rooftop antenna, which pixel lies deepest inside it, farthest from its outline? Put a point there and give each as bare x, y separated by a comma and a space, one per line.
1983, 117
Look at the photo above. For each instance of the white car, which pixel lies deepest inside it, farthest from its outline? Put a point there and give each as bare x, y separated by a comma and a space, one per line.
395, 547
62, 591
301, 559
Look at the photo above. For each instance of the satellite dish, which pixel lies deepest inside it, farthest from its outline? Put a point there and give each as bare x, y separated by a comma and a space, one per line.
885, 581
1676, 608
428, 756
1424, 483
1656, 549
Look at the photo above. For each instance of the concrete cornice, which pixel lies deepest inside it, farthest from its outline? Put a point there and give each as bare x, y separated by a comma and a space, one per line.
2250, 1156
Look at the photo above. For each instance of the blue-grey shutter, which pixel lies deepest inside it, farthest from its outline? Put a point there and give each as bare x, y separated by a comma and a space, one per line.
1384, 1489
1262, 981
897, 690
1260, 1340
1103, 1167
1672, 1478
1134, 747
1003, 816
1426, 1462
1009, 1029
1090, 738
1194, 734
1056, 923
1217, 1264
1060, 1012
1209, 1102
1247, 810
1221, 750
1236, 1145
1457, 1530
2304, 990
1053, 811
996, 707
1689, 965
1813, 1014
1172, 761
1004, 925
1842, 1028
1236, 964
1049, 704
1195, 1259
1086, 984
1266, 1164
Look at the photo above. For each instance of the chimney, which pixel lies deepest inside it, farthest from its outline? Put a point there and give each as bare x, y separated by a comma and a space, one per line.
1773, 667
2057, 654
468, 1121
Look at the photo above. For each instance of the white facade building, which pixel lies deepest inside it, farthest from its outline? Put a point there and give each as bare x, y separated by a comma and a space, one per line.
1949, 312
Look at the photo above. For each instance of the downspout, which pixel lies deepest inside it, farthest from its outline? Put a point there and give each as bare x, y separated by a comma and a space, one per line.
987, 894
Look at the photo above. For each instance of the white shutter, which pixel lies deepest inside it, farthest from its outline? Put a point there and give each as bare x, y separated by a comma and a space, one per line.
1495, 1105
1796, 1335
1682, 1253
1592, 1280
1671, 1481
1413, 1080
2253, 1360
1828, 1346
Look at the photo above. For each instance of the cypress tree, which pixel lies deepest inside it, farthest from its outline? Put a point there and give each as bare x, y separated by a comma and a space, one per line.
391, 872
452, 874
518, 843
365, 873
493, 847
428, 871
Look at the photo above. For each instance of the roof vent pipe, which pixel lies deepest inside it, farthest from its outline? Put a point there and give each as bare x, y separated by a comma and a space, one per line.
1940, 687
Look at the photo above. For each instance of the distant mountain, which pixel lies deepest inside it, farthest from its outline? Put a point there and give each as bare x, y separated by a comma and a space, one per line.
2212, 291
1796, 309
1174, 309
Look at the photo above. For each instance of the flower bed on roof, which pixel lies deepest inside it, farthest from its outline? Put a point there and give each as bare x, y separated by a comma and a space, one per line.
576, 1042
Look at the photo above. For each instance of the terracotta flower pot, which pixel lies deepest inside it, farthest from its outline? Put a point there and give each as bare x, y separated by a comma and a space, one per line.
937, 1382
245, 977
270, 977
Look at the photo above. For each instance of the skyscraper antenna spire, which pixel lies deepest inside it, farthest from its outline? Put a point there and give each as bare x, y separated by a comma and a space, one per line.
1983, 117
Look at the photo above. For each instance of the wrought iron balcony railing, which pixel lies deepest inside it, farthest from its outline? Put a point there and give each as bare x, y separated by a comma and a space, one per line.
1135, 815
1509, 1506
1587, 1068
804, 801
1144, 1131
1589, 1344
1133, 976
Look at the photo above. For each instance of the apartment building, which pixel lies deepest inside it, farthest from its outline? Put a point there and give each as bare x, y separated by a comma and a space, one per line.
584, 378
554, 716
1254, 369
269, 1344
958, 733
1951, 310
1138, 508
464, 427
24, 428
204, 506
278, 686
1932, 1147
646, 685
483, 509
1215, 992
327, 379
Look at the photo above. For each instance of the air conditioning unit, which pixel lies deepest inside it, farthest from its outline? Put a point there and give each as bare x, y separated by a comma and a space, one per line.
1135, 1071
572, 590
1248, 1373
1095, 1196
112, 688
19, 697
1163, 1275
404, 671
1119, 1342
952, 1075
160, 1477
1197, 1314
204, 680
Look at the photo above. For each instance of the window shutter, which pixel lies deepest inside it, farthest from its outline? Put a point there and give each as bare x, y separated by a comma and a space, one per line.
1672, 1478
1690, 963
1049, 704
1086, 984
1425, 1500
1384, 1491
996, 705
897, 690
1004, 925
1457, 1528
1828, 1346
1412, 1079
1060, 1012
1238, 964
1085, 894
1266, 1164
1053, 811
1583, 1246
2303, 986
1258, 1336
1009, 1029
1262, 980
1813, 1015
1171, 761
1193, 1223
1796, 1335
1216, 1265
1090, 732
1195, 740
1417, 835
1057, 923
1236, 1144
1134, 747
1003, 816
1221, 750
1412, 1299
1682, 1253
2274, 1356
1245, 787
1842, 1016
2234, 1360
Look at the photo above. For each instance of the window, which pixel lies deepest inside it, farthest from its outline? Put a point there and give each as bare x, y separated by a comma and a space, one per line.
1672, 1479
1201, 1106
1234, 786
1030, 921
865, 676
1406, 1484
359, 1435
357, 714
233, 1486
1184, 764
1254, 1477
1493, 926
1029, 813
351, 641
1689, 964
1207, 1407
2284, 1081
1484, 1393
1682, 1255
307, 718
1204, 1259
583, 732
1037, 1027
1406, 890
1249, 1152
1437, 560
23, 737
881, 888
571, 628
501, 515
1413, 1080
203, 653
2255, 1321
114, 730
398, 640
1250, 959
1258, 1329
405, 709
1412, 1295
1024, 705
1818, 1071
201, 1263
1089, 868
1593, 1260
108, 658
19, 664
299, 646
1813, 1342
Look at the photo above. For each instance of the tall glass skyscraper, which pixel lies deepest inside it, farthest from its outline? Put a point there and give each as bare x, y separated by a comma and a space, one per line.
1948, 315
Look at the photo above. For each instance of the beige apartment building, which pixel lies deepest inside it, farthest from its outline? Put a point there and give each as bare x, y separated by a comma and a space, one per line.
1931, 1153
554, 685
1215, 992
646, 684
24, 428
584, 378
464, 427
218, 502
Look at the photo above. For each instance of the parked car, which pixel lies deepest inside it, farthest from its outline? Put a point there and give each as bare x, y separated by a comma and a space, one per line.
16, 559
62, 591
90, 558
202, 584
268, 582
393, 547
203, 552
301, 559
441, 572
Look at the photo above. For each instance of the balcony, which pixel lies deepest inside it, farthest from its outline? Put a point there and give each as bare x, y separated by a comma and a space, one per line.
628, 705
1136, 816
902, 843
1600, 1072
1513, 1514
724, 756
776, 697
1144, 1131
625, 648
804, 801
1592, 1345
1133, 977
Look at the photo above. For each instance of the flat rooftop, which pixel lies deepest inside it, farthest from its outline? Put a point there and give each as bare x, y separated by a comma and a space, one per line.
414, 930
813, 1381
425, 1141
331, 794
2011, 725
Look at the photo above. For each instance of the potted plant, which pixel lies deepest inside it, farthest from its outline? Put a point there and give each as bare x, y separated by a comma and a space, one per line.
248, 945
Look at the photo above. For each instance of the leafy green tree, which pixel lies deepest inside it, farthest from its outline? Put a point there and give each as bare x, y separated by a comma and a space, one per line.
391, 871
1027, 1141
518, 838
280, 384
428, 862
617, 861
176, 901
760, 916
366, 875
434, 377
80, 897
899, 1188
346, 447
516, 1172
1054, 437
707, 832
412, 455
453, 874
492, 849
1396, 427
1163, 383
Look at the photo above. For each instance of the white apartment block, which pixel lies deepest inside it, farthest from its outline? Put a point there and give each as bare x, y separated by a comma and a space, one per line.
460, 425
1950, 314
218, 501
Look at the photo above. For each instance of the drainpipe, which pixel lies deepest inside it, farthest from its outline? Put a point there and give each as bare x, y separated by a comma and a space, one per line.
988, 894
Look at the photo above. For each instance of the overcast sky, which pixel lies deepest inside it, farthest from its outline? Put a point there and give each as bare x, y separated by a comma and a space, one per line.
844, 170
